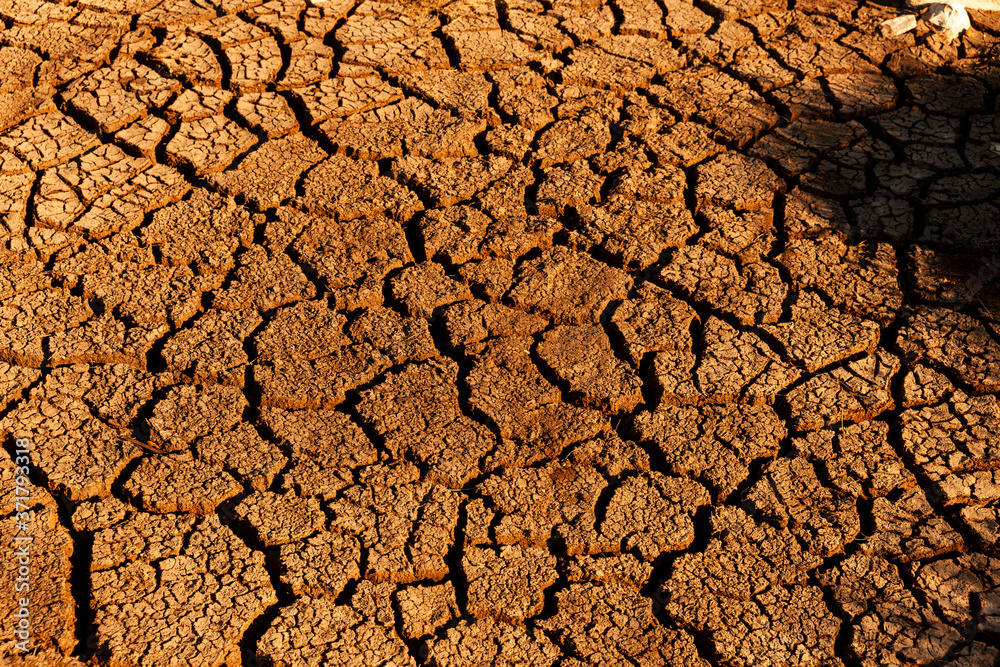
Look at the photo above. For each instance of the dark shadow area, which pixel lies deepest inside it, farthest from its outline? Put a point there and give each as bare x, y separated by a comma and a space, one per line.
911, 160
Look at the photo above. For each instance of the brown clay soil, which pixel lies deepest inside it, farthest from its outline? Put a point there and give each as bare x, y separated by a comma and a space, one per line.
524, 333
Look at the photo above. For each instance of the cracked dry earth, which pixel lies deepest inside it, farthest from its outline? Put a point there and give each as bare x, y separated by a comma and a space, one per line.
523, 333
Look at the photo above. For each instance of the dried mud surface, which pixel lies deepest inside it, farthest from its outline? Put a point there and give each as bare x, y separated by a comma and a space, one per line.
524, 333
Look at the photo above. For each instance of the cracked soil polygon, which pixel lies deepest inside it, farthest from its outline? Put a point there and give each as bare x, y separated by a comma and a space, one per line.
713, 444
753, 293
209, 144
568, 286
244, 454
409, 126
950, 443
303, 330
581, 358
447, 182
955, 341
137, 576
869, 288
497, 579
635, 233
187, 412
491, 642
617, 625
736, 366
322, 382
818, 336
212, 350
324, 448
857, 391
115, 392
863, 583
731, 107
275, 519
352, 256
77, 453
349, 189
652, 321
267, 176
267, 114
423, 288
31, 317
424, 609
651, 514
152, 485
508, 388
857, 460
791, 495
441, 437
408, 529
908, 529
150, 294
264, 281
547, 506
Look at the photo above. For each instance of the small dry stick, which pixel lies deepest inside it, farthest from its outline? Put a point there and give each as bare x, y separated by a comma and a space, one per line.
140, 443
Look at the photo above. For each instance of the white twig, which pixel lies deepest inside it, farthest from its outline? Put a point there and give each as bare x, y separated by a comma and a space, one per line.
985, 5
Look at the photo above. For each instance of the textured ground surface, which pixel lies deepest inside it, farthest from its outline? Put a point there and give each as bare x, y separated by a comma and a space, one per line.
529, 333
